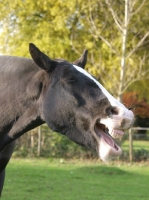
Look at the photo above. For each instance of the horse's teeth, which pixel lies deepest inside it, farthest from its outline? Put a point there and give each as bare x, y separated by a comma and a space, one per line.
116, 135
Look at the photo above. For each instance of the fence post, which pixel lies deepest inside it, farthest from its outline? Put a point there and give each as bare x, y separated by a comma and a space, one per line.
130, 146
32, 141
39, 141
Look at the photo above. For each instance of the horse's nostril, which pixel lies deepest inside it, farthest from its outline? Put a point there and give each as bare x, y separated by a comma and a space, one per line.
112, 111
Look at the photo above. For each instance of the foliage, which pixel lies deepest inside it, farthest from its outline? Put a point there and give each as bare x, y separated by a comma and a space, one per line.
53, 145
140, 108
140, 105
65, 28
141, 154
141, 88
140, 149
138, 155
32, 21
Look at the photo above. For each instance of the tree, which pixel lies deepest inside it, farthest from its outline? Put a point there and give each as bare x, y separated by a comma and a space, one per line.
65, 28
137, 103
128, 38
32, 21
140, 107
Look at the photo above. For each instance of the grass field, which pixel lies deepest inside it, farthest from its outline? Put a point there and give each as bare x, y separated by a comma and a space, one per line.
33, 179
137, 144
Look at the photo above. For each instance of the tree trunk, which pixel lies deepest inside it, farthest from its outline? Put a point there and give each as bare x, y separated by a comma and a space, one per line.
130, 146
124, 41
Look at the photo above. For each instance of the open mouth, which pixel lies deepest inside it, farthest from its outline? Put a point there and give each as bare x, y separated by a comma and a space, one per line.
107, 147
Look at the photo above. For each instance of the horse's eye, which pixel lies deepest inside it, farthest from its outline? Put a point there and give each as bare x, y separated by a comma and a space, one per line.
71, 80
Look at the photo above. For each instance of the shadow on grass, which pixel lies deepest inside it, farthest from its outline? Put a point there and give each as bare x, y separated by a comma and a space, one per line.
66, 182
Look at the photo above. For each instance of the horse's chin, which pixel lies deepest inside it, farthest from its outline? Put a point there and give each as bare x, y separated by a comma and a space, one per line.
108, 149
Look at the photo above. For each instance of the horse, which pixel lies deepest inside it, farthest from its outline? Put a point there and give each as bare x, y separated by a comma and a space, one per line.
39, 90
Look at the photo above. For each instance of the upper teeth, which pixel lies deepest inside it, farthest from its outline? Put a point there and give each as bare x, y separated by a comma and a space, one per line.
116, 134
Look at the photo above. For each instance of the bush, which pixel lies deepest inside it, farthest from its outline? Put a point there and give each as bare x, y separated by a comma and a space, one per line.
52, 145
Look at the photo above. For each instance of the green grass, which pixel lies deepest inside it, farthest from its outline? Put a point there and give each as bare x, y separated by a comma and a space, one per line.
75, 180
137, 144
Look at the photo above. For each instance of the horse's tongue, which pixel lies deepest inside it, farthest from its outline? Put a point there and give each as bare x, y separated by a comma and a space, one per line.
107, 148
106, 137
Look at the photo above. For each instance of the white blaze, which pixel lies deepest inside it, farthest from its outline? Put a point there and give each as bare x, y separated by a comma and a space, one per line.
113, 101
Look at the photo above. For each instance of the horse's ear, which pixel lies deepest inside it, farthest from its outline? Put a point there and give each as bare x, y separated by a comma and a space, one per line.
42, 60
81, 62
